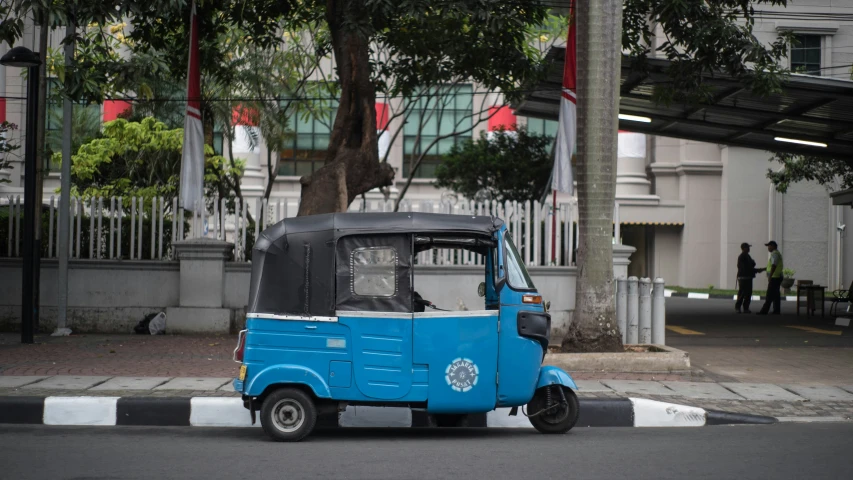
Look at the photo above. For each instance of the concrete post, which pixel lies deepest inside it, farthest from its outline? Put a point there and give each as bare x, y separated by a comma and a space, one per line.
621, 259
645, 311
659, 313
202, 288
622, 307
633, 312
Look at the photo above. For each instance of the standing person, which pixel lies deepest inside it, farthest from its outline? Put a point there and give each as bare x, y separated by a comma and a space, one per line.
774, 276
745, 274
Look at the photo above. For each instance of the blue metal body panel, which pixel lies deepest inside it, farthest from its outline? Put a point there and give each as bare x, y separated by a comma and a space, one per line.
461, 353
382, 355
555, 376
456, 362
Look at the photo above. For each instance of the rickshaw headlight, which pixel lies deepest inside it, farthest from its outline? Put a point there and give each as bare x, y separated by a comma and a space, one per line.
531, 299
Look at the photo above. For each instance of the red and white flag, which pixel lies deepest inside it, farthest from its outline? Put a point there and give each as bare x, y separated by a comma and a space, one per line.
192, 160
567, 133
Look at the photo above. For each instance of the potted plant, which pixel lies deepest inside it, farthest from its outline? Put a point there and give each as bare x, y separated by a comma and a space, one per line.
787, 278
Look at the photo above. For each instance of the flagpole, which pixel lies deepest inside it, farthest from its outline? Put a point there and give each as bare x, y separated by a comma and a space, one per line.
554, 229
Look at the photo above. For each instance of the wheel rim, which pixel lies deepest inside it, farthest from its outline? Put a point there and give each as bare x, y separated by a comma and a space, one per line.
288, 415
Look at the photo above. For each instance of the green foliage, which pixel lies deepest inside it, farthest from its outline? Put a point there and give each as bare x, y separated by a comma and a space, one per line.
788, 272
701, 37
799, 168
509, 167
136, 159
7, 146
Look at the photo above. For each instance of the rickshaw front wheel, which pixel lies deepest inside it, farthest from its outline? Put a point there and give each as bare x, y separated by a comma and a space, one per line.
288, 415
553, 409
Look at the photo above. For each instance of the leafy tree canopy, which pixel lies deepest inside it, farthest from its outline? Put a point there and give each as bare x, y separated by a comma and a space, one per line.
512, 166
135, 159
830, 172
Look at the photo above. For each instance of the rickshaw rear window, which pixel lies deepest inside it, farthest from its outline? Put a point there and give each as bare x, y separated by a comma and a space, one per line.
516, 273
374, 271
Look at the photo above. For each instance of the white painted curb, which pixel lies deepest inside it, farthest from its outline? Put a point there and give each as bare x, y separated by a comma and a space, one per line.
219, 412
99, 411
355, 416
701, 296
650, 413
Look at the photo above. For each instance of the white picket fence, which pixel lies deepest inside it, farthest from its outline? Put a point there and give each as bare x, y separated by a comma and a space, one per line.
140, 229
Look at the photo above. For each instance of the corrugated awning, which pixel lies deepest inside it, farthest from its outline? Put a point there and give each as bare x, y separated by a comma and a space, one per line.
810, 109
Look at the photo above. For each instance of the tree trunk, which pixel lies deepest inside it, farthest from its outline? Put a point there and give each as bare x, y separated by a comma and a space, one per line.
599, 24
352, 160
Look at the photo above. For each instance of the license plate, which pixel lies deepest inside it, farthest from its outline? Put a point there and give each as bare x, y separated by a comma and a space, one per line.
242, 372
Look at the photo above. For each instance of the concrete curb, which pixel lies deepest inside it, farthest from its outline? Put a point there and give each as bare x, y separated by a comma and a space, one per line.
714, 296
229, 412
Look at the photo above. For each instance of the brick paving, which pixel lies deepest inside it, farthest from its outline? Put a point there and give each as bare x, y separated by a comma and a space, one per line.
127, 355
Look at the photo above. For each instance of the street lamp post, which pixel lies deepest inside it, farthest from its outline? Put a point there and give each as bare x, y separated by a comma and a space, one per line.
23, 57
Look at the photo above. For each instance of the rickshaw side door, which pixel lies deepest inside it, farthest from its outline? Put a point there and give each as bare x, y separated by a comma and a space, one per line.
373, 297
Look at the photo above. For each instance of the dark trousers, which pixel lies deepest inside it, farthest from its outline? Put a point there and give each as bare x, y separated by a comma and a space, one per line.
744, 294
774, 296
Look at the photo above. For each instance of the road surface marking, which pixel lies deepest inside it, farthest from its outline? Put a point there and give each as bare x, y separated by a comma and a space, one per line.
815, 330
682, 330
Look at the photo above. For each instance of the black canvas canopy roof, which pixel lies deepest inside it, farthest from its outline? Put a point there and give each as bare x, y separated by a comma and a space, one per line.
294, 261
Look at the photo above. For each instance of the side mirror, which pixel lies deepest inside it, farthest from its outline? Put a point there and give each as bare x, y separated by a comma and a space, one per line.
481, 290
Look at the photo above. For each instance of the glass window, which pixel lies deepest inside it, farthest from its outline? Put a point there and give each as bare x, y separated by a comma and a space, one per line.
374, 271
517, 275
434, 115
805, 54
542, 127
305, 150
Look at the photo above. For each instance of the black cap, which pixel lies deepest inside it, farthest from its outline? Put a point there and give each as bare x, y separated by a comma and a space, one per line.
744, 245
771, 242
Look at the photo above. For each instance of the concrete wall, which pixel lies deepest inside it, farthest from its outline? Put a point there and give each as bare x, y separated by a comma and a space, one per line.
111, 296
103, 296
805, 232
744, 203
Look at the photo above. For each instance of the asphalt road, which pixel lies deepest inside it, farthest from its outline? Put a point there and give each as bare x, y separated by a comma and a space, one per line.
777, 451
719, 325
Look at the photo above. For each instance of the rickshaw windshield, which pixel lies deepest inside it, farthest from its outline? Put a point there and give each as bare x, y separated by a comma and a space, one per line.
516, 274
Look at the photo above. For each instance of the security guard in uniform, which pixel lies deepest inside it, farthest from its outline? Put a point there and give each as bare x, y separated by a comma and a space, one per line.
745, 274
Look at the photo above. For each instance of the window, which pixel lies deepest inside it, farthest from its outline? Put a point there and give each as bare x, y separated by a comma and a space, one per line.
542, 127
434, 115
515, 272
305, 151
805, 54
374, 271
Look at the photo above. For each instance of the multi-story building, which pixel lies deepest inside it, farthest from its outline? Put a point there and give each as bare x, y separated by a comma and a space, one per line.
686, 206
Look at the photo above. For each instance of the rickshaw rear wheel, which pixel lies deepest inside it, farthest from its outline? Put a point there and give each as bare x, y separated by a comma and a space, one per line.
561, 416
288, 415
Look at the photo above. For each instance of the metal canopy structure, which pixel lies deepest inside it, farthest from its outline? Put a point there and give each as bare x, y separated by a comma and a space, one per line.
809, 109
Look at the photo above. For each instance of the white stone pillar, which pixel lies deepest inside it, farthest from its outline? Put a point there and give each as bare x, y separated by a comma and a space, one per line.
202, 288
254, 178
631, 177
621, 259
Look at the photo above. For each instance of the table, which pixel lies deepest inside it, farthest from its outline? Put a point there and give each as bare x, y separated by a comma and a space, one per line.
810, 298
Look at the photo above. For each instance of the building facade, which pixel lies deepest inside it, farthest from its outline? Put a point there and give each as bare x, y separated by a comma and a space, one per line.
685, 206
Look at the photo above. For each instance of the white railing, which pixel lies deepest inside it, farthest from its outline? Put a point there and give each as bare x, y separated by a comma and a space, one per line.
143, 229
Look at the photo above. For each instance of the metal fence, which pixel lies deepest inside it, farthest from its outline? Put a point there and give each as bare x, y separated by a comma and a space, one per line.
144, 229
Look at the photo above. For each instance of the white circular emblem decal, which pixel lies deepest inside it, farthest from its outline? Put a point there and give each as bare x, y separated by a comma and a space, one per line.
462, 374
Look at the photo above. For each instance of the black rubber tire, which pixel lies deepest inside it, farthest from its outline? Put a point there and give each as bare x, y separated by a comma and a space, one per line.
560, 421
295, 401
450, 420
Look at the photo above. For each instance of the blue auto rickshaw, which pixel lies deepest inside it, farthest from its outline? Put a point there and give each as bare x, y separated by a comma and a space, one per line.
334, 320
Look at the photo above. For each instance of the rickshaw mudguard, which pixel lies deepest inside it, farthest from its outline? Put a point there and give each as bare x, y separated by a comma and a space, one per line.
287, 374
555, 376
